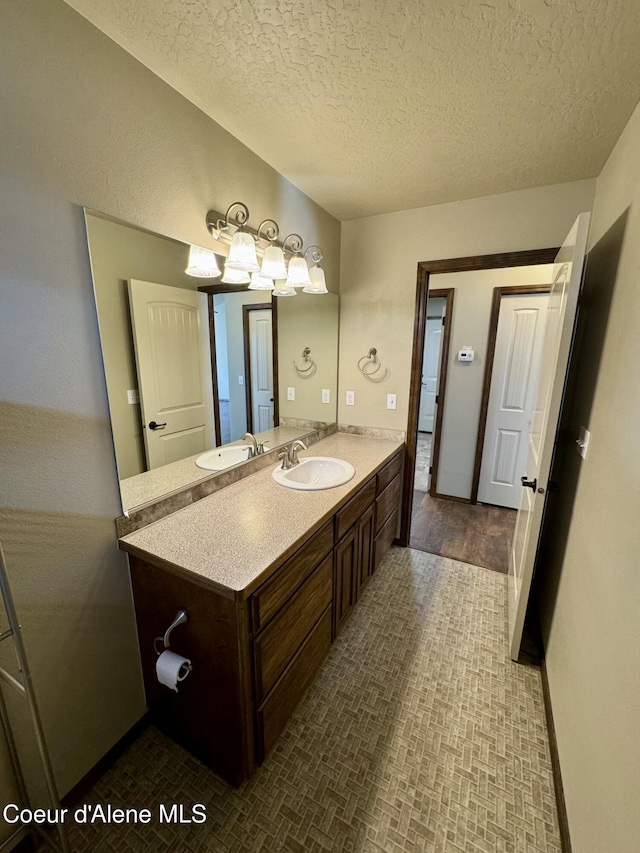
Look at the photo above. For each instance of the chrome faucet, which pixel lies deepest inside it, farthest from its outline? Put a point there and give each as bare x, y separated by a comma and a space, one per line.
293, 451
253, 451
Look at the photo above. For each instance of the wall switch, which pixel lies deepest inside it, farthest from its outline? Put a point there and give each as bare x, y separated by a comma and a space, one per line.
326, 395
391, 401
351, 398
291, 393
132, 397
240, 380
583, 442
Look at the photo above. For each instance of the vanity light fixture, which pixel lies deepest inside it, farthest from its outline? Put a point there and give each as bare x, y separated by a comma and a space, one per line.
259, 282
232, 276
298, 270
202, 263
283, 288
316, 273
246, 244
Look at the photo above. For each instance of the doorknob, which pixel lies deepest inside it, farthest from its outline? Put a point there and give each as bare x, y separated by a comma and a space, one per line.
530, 484
154, 425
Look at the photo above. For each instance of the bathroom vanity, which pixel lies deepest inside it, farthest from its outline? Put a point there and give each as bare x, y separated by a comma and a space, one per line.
268, 577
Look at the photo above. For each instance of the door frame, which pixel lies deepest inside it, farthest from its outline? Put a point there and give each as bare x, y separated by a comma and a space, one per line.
214, 370
246, 310
498, 293
448, 293
425, 270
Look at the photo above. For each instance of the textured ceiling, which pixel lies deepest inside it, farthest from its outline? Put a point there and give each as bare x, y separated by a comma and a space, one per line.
371, 106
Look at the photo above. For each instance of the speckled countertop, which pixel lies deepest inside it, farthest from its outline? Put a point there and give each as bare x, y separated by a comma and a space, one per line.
154, 484
231, 539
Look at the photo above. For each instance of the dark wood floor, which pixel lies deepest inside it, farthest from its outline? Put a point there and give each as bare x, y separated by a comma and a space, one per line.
477, 534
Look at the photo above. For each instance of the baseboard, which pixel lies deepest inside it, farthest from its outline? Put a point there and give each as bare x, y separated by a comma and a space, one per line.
565, 838
72, 797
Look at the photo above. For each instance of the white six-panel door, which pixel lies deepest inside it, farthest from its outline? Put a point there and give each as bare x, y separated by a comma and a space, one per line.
519, 338
174, 376
261, 351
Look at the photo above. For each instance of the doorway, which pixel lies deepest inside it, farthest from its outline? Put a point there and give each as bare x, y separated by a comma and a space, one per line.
448, 517
432, 387
257, 324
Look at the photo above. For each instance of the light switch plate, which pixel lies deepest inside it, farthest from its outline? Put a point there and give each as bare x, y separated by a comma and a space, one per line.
291, 393
132, 397
583, 442
391, 401
351, 398
326, 395
240, 380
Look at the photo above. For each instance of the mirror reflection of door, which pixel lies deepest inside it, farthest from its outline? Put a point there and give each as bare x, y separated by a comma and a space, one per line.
429, 390
258, 348
171, 339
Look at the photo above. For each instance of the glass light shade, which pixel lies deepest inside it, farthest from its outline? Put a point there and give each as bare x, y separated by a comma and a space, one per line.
259, 282
298, 272
232, 276
202, 263
242, 253
282, 288
318, 284
273, 265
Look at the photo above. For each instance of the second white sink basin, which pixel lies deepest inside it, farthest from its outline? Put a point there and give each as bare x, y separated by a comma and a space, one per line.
223, 457
314, 473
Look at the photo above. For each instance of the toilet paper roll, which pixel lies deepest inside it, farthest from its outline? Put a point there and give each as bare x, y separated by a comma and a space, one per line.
172, 668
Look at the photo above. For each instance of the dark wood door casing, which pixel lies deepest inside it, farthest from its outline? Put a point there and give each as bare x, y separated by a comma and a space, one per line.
425, 270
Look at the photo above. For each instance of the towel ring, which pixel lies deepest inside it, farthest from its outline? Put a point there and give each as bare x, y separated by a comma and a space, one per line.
370, 355
306, 355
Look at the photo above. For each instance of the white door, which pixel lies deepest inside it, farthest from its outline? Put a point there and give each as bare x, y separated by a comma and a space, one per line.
561, 312
261, 354
516, 363
171, 339
430, 368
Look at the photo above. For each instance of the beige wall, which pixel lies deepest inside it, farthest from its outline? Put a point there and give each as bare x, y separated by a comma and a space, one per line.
308, 321
119, 253
470, 327
378, 279
590, 603
86, 124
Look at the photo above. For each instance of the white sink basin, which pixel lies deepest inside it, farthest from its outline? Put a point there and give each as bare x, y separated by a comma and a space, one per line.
223, 457
314, 473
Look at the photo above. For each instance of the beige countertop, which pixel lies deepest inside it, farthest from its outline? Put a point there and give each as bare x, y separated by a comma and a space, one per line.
154, 484
230, 540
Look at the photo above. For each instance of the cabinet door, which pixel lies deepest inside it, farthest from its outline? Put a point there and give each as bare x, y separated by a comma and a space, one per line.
366, 534
346, 568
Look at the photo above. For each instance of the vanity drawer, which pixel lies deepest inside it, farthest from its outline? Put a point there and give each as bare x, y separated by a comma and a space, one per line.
387, 502
270, 597
280, 640
353, 509
390, 470
281, 702
385, 538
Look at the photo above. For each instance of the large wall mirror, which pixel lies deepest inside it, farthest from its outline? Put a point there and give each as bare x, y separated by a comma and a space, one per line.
192, 364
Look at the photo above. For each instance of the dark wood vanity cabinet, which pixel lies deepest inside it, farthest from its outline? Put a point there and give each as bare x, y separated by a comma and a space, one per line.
255, 656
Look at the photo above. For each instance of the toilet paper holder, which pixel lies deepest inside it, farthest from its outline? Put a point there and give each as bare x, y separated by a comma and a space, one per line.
181, 618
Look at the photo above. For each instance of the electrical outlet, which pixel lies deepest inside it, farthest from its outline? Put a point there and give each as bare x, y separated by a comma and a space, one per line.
132, 397
240, 380
391, 401
291, 393
351, 398
326, 395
